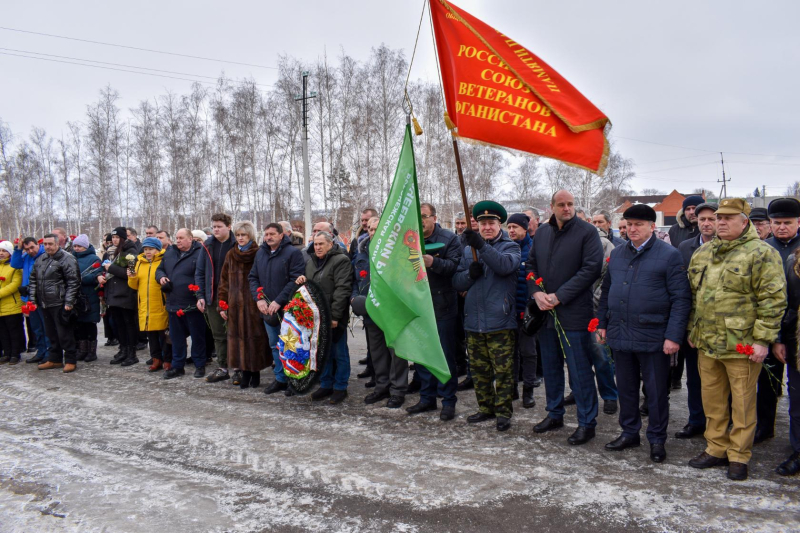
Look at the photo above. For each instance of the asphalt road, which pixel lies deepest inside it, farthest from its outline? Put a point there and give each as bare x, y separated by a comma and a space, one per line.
117, 449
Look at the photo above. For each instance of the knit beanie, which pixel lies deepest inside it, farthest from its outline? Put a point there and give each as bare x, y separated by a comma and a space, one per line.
121, 232
520, 219
82, 240
694, 200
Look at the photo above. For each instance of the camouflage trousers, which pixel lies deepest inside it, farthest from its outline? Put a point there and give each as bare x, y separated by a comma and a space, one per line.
491, 360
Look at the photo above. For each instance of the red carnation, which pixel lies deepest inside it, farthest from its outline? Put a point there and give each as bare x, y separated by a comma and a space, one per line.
608, 259
2, 278
193, 287
101, 294
73, 237
530, 276
748, 350
40, 241
363, 273
31, 307
740, 348
593, 323
223, 305
539, 281
180, 312
16, 241
96, 265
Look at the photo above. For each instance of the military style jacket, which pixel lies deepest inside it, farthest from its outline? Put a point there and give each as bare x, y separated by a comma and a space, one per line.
739, 295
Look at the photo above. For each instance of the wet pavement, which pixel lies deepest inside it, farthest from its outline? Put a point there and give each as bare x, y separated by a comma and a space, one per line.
118, 449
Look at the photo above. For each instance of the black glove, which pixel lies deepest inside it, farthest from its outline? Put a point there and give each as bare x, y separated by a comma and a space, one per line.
475, 270
473, 239
23, 291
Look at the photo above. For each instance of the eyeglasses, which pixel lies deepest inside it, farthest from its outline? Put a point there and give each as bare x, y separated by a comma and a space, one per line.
426, 217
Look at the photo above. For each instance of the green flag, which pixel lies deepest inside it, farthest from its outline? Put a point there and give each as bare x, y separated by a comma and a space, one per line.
399, 295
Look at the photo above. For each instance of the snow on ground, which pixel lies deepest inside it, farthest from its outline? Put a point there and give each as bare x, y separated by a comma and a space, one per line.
117, 449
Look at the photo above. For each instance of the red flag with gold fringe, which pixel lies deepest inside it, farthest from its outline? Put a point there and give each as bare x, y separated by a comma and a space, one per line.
497, 92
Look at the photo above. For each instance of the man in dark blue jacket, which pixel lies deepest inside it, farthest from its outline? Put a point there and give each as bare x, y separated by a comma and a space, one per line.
525, 348
442, 255
643, 313
490, 315
207, 276
278, 264
175, 274
568, 256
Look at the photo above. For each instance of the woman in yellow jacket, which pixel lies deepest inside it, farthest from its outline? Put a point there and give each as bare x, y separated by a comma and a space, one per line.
153, 317
12, 334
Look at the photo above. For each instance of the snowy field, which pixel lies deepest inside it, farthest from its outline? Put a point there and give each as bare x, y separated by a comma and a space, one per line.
112, 449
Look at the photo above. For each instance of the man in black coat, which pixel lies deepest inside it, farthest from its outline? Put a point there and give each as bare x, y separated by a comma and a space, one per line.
176, 274
442, 255
686, 226
643, 313
707, 224
568, 256
760, 219
783, 217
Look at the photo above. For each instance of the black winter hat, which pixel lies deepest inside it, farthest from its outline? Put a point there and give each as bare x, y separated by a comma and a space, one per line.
121, 232
640, 212
520, 219
759, 213
784, 208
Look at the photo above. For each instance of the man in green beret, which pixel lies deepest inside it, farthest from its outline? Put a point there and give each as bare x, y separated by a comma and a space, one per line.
489, 311
739, 297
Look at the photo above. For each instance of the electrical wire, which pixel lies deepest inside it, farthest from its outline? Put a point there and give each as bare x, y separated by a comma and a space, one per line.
136, 48
702, 150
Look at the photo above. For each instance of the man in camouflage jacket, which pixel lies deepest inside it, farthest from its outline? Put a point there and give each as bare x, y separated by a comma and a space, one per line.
739, 296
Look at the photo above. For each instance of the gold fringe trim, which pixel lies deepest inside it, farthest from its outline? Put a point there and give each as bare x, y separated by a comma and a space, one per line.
448, 122
577, 129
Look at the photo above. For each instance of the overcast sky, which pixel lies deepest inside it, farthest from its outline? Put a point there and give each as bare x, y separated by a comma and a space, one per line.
680, 80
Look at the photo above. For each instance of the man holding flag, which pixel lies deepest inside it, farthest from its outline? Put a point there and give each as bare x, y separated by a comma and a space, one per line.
490, 317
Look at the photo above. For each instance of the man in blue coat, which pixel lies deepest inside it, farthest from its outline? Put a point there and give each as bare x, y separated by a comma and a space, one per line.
643, 313
490, 315
25, 254
568, 256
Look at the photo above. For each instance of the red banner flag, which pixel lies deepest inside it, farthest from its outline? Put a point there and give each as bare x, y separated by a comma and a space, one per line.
498, 92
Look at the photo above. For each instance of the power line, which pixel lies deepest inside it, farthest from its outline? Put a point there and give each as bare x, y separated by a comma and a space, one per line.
677, 168
118, 65
136, 48
703, 150
671, 159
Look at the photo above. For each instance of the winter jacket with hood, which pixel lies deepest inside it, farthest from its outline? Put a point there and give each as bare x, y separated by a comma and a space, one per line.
21, 260
276, 272
682, 230
85, 260
55, 280
117, 291
10, 281
490, 304
334, 274
151, 300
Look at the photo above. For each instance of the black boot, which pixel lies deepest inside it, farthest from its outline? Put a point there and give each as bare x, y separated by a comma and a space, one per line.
527, 397
131, 358
91, 355
83, 349
255, 379
120, 356
246, 378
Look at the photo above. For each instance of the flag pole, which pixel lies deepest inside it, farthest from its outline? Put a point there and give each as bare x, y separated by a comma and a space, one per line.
467, 213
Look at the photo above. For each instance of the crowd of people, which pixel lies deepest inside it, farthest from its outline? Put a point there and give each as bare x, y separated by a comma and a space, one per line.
717, 295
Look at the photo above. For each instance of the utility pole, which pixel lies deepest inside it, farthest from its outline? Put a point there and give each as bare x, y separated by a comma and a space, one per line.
306, 176
724, 191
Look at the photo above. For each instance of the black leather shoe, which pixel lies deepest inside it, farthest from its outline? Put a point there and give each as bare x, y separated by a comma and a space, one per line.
503, 423
762, 435
569, 399
421, 407
689, 431
737, 471
320, 394
395, 402
658, 453
130, 360
141, 346
466, 384
364, 374
220, 374
276, 386
610, 407
362, 361
36, 359
448, 413
112, 342
370, 384
705, 460
200, 371
527, 398
414, 386
337, 397
479, 417
790, 466
375, 397
174, 373
548, 424
582, 435
623, 442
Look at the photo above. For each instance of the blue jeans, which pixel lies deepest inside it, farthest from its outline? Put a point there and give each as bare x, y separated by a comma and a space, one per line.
604, 372
272, 333
578, 354
180, 327
37, 325
336, 373
431, 387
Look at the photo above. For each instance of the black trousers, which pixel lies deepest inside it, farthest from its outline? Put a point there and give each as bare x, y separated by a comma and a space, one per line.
126, 322
12, 335
108, 327
769, 389
31, 333
158, 345
86, 331
461, 336
62, 341
654, 370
